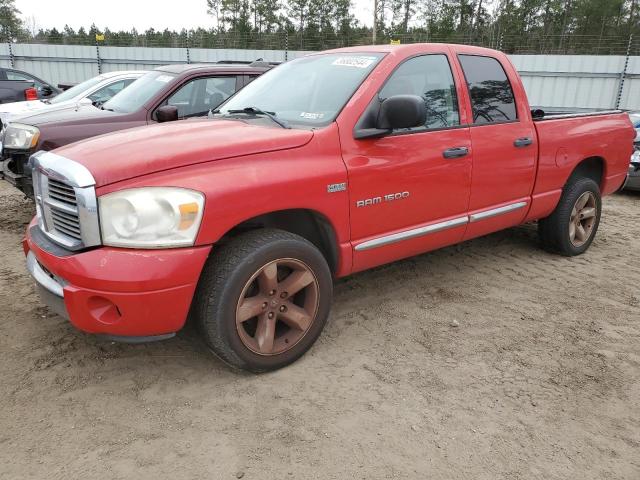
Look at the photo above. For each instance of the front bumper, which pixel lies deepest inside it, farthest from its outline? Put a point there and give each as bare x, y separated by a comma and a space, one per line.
15, 169
633, 178
117, 292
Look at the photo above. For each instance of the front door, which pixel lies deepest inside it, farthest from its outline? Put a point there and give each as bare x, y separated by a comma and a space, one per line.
409, 191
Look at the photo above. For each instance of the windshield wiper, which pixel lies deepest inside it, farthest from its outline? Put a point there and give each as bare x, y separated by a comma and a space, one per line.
257, 111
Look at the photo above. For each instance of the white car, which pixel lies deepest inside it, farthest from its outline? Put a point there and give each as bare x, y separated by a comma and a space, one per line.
96, 91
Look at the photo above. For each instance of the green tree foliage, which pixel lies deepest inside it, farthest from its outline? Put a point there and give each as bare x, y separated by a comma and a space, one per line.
10, 23
529, 26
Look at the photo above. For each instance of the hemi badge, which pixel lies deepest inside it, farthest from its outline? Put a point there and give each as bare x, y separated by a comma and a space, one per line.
336, 187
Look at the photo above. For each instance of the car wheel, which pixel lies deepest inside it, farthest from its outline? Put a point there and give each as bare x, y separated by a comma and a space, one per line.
263, 299
572, 226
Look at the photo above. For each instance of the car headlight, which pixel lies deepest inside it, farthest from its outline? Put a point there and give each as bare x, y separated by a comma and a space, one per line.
20, 136
151, 217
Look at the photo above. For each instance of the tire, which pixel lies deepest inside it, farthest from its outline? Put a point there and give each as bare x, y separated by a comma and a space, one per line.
556, 230
238, 281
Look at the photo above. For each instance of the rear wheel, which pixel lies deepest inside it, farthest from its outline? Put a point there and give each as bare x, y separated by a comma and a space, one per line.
572, 226
263, 299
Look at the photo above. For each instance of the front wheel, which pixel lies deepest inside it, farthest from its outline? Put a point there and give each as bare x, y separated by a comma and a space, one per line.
572, 226
263, 299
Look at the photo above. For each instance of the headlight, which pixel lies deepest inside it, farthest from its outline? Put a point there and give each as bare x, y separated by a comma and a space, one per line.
20, 136
151, 217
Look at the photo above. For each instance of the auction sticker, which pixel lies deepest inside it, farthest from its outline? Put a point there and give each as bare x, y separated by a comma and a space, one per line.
312, 115
358, 62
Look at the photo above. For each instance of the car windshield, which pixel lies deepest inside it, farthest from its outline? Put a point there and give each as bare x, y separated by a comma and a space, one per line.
306, 92
76, 90
139, 92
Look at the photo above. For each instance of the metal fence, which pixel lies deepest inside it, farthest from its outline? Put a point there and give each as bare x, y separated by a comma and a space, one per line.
528, 43
551, 81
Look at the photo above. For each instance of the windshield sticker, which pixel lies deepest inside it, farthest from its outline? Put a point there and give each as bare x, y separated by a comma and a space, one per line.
312, 116
358, 62
164, 78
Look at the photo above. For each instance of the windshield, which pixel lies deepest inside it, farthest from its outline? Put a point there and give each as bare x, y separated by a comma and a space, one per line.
139, 92
309, 91
76, 90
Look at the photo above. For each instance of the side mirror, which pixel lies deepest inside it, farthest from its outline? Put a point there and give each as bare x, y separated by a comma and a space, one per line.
402, 111
85, 101
167, 113
46, 90
398, 111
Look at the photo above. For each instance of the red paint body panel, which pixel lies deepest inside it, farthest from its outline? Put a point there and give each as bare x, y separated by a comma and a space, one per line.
152, 289
165, 146
248, 170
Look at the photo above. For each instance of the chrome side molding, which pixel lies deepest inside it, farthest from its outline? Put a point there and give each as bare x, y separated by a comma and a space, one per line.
413, 233
496, 211
437, 227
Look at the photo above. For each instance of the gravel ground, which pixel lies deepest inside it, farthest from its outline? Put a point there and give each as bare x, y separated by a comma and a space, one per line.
487, 360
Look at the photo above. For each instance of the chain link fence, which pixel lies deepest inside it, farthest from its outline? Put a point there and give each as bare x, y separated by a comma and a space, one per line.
514, 44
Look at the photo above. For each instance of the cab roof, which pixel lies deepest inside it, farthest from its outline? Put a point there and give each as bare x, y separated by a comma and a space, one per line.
412, 48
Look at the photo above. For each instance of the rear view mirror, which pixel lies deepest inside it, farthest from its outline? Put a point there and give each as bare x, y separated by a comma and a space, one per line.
402, 111
396, 112
167, 113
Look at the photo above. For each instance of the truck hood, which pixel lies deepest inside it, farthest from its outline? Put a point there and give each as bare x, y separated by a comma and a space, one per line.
140, 151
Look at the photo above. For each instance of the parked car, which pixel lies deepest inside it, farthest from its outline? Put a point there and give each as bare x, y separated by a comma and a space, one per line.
18, 86
96, 91
327, 165
164, 94
633, 179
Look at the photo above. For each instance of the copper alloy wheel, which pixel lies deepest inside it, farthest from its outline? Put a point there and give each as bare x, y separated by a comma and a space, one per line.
583, 218
277, 306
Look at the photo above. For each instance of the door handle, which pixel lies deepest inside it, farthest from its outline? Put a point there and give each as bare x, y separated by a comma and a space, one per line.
522, 142
455, 152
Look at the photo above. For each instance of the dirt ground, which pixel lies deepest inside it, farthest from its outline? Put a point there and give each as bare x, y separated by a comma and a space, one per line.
488, 360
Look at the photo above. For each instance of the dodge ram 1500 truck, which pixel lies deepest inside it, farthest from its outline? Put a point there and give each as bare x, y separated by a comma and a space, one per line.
324, 166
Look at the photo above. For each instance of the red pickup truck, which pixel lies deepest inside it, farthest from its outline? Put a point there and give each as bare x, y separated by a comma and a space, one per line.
324, 166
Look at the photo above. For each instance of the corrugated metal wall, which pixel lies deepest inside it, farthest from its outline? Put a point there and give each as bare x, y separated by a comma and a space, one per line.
551, 81
579, 81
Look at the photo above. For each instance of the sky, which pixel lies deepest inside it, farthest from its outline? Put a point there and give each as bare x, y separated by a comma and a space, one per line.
141, 14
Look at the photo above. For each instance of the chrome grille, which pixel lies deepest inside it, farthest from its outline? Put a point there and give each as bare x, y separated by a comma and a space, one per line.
61, 192
66, 202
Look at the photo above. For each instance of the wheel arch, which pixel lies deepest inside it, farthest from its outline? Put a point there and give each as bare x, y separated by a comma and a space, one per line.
591, 167
309, 224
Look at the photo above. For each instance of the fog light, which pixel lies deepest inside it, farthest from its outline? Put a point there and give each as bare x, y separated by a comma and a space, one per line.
104, 310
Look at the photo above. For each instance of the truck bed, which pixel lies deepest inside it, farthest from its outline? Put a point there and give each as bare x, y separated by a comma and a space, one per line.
13, 90
566, 139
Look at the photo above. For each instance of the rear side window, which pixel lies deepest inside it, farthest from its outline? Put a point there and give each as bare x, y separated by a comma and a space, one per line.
429, 77
491, 93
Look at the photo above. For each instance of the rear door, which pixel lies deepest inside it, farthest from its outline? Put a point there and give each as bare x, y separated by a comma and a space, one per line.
504, 146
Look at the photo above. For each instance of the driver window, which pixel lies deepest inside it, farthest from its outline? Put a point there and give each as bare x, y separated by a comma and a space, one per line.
198, 96
429, 77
